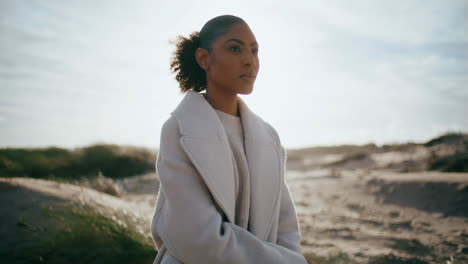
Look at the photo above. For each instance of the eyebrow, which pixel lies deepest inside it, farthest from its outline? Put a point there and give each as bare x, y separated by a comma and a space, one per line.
241, 42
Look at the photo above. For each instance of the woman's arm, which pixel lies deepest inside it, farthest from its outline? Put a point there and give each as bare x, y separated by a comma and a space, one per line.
191, 225
289, 235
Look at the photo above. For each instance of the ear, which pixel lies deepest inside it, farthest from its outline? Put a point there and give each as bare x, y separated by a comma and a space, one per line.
202, 56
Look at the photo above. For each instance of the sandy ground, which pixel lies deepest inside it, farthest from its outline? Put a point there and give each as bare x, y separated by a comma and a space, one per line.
372, 213
361, 212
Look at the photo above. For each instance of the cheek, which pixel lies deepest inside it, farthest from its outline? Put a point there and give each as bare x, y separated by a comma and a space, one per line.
226, 67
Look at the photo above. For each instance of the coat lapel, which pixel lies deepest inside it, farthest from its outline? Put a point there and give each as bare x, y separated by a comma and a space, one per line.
265, 169
205, 142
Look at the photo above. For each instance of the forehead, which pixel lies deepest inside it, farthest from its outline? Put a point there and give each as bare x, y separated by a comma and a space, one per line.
238, 31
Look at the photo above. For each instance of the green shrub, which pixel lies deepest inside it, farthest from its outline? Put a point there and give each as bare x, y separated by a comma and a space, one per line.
76, 235
395, 260
337, 258
457, 162
448, 138
111, 160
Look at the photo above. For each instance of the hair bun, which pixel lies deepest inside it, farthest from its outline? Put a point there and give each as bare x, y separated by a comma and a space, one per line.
195, 38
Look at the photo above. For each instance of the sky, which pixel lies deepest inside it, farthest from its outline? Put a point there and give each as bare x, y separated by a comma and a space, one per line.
74, 73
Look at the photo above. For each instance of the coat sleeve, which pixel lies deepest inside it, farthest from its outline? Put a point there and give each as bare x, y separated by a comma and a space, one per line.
289, 235
191, 226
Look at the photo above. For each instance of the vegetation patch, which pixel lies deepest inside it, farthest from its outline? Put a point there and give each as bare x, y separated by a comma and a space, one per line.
337, 258
57, 163
358, 156
76, 235
457, 162
448, 138
395, 260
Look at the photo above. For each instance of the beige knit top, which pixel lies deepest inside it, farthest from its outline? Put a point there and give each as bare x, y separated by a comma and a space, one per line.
235, 134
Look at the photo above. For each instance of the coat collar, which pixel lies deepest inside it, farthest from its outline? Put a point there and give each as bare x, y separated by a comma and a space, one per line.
200, 119
204, 140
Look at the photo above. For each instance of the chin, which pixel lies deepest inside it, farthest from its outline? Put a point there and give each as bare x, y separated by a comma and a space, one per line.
246, 90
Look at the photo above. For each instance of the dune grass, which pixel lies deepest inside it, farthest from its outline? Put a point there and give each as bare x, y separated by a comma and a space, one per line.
343, 258
113, 161
448, 138
76, 235
337, 258
395, 260
457, 162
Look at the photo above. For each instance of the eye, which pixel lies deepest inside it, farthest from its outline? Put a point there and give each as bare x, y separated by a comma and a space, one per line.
255, 51
234, 48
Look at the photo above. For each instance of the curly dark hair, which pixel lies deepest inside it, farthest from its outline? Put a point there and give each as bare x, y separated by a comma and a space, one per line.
183, 62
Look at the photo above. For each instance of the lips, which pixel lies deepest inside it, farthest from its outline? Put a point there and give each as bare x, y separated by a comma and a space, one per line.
248, 76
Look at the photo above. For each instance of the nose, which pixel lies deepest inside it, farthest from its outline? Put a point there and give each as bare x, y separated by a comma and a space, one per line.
249, 59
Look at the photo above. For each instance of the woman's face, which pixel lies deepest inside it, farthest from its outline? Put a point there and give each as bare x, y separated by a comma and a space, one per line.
232, 64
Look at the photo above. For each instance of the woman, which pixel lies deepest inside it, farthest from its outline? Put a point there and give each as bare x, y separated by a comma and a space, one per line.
223, 197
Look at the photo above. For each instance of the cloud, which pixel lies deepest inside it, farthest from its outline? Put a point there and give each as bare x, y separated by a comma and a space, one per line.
404, 22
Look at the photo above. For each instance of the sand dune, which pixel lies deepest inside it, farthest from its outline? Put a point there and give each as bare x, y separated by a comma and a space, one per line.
364, 204
45, 221
372, 213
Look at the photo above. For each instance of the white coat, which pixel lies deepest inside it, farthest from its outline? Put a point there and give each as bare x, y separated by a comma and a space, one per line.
194, 217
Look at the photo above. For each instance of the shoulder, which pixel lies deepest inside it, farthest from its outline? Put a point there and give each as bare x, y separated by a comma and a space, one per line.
171, 125
276, 137
170, 130
170, 135
273, 132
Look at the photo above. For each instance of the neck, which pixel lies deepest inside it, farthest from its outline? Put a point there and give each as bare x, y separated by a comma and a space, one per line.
225, 102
